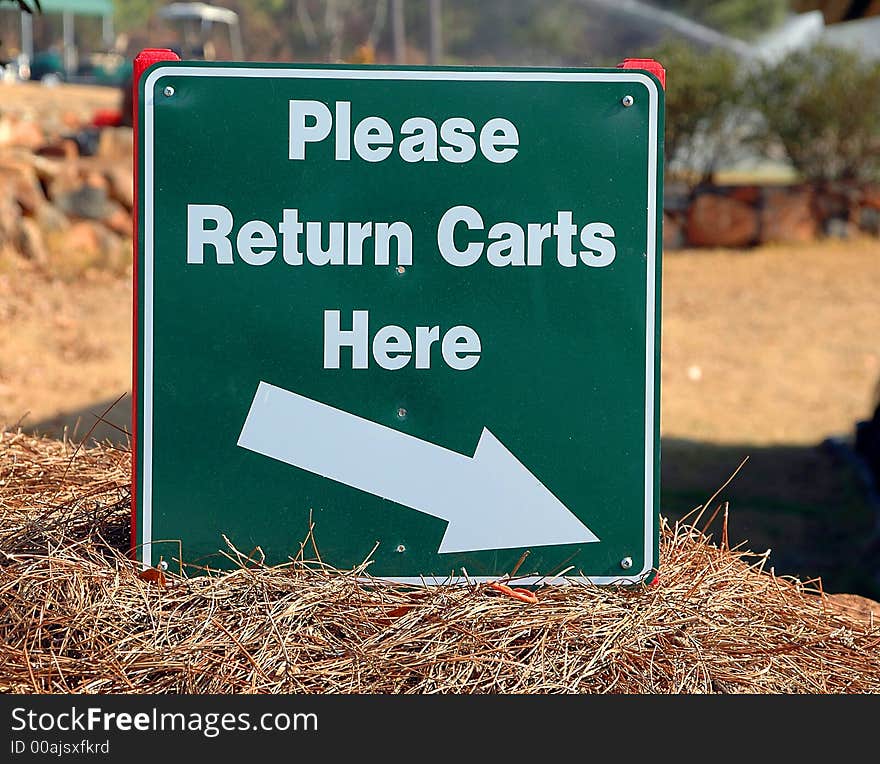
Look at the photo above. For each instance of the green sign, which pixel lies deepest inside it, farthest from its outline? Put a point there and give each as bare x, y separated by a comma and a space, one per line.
416, 307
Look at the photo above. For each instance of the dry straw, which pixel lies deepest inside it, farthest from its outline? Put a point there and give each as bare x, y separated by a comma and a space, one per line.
76, 617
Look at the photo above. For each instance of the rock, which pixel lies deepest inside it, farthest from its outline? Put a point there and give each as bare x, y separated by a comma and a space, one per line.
747, 194
65, 148
787, 216
718, 221
51, 219
110, 243
116, 144
5, 131
48, 168
71, 120
20, 132
830, 207
65, 180
869, 220
87, 202
676, 197
83, 237
10, 213
31, 243
121, 181
96, 179
836, 201
673, 231
118, 219
89, 239
871, 197
838, 228
24, 183
87, 141
7, 253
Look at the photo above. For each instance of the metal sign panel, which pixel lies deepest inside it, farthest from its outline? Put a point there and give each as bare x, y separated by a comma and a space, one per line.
418, 307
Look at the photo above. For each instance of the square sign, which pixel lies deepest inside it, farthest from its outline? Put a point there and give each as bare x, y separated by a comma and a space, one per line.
417, 307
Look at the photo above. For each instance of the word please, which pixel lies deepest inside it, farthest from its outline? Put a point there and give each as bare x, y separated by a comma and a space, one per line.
420, 139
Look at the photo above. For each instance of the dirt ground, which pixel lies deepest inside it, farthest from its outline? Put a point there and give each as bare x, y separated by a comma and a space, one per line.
65, 346
770, 346
766, 354
57, 108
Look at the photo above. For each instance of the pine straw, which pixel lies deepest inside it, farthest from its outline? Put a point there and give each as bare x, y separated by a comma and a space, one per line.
75, 616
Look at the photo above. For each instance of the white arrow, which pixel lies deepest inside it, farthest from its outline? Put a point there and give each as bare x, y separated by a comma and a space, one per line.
491, 501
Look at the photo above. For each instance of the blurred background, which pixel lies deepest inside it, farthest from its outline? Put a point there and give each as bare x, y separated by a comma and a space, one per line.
771, 273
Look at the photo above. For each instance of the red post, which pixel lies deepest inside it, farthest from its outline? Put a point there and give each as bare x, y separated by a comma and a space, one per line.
648, 65
143, 61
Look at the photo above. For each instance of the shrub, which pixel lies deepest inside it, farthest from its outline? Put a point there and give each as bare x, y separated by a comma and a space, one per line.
703, 93
823, 105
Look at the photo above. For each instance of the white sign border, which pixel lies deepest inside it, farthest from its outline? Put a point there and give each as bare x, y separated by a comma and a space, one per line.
145, 370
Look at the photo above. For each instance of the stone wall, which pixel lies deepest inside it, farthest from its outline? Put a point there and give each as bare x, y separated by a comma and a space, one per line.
62, 196
745, 216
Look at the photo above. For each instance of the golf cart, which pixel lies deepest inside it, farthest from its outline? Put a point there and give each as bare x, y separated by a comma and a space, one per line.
197, 25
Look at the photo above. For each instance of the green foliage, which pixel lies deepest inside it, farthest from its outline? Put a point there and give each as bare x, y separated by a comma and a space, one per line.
522, 32
509, 32
703, 93
823, 105
741, 18
129, 14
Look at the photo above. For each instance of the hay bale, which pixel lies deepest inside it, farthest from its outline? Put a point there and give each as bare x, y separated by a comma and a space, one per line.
75, 616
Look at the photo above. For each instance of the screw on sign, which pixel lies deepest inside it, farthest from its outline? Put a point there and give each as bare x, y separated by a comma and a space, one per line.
420, 306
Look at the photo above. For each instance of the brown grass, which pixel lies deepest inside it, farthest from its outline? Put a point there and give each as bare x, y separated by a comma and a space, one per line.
76, 617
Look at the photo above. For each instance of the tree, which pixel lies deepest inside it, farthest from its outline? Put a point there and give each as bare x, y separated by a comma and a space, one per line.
129, 14
741, 18
823, 105
704, 92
